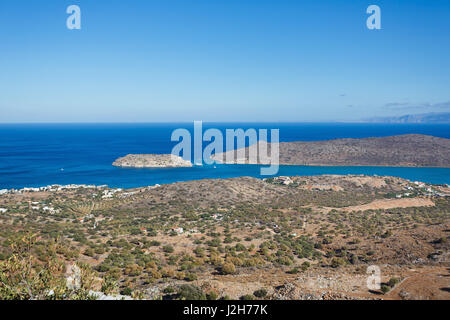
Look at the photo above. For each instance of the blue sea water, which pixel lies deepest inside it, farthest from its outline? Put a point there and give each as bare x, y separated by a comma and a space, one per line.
34, 155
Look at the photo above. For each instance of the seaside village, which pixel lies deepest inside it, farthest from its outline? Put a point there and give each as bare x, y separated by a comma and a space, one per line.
107, 192
102, 192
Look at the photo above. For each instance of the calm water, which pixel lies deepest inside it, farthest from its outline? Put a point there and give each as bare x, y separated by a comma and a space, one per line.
34, 154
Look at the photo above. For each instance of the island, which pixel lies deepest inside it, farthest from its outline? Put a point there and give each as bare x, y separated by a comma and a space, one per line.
151, 161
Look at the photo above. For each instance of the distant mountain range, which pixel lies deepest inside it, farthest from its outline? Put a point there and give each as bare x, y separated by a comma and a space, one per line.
432, 117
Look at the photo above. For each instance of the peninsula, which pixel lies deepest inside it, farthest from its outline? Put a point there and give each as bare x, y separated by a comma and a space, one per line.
410, 150
151, 161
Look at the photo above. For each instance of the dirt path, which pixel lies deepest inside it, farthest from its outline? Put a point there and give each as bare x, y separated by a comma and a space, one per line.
431, 283
393, 203
384, 204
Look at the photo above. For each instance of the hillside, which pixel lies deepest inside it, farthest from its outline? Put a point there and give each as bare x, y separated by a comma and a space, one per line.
288, 237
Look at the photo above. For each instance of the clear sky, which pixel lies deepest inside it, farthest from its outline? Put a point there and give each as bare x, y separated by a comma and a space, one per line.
222, 60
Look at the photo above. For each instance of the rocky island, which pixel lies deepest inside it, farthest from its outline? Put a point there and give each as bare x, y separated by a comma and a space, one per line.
151, 161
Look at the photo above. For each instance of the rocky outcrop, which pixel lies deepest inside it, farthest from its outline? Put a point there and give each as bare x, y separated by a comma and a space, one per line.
151, 161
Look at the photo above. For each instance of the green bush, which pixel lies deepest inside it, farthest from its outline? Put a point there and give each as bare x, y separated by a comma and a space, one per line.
109, 285
261, 293
337, 262
168, 249
385, 288
305, 265
212, 296
190, 277
293, 271
393, 282
168, 290
126, 291
191, 292
89, 252
284, 260
228, 268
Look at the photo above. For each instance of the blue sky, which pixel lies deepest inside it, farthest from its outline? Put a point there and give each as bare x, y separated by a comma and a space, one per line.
213, 60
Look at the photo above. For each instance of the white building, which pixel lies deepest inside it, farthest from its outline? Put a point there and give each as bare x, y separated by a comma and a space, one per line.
285, 180
50, 209
107, 194
178, 230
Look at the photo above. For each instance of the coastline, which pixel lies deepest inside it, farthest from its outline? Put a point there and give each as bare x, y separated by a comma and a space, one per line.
101, 187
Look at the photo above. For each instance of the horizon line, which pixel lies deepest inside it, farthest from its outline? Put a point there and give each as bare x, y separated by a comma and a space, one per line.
189, 122
162, 122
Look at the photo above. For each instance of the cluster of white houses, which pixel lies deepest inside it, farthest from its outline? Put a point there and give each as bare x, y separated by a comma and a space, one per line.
52, 188
107, 193
427, 190
282, 180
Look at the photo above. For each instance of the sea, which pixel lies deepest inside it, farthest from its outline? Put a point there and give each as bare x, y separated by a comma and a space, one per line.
35, 155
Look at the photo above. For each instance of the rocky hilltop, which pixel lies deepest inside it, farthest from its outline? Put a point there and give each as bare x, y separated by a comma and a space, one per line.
411, 150
151, 161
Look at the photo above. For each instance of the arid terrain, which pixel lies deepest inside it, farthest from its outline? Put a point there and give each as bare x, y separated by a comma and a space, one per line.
244, 238
410, 150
